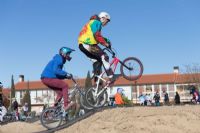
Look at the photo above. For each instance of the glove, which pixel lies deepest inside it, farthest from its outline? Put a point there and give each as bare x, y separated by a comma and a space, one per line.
68, 76
108, 45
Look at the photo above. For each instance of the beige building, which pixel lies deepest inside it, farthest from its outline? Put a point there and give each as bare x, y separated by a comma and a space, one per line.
147, 84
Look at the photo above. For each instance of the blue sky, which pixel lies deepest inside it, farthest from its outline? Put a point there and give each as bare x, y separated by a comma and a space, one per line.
161, 33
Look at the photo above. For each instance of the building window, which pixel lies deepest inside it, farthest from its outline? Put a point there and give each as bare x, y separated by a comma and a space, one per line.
21, 95
134, 92
141, 89
39, 96
171, 91
51, 96
33, 96
148, 89
156, 88
171, 87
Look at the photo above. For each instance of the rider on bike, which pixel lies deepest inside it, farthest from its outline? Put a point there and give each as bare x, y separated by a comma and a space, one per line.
53, 75
88, 40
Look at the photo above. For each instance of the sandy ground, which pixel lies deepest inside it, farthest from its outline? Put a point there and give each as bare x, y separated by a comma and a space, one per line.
21, 127
166, 119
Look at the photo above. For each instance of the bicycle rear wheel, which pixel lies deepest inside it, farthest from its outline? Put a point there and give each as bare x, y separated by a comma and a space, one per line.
84, 103
131, 68
94, 101
51, 118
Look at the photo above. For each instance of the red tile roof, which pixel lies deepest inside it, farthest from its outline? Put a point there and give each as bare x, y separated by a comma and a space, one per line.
39, 85
145, 79
149, 79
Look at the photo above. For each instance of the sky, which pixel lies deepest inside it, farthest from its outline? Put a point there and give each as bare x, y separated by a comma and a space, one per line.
161, 33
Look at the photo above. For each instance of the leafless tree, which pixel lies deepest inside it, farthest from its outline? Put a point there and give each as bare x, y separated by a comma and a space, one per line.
191, 73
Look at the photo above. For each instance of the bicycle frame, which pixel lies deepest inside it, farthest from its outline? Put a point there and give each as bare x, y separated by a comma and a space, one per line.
113, 63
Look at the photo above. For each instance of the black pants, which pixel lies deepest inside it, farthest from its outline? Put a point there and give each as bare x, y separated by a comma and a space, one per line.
96, 54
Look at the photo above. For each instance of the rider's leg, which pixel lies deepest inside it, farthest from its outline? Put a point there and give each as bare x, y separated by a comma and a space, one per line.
109, 71
106, 64
57, 84
58, 97
92, 52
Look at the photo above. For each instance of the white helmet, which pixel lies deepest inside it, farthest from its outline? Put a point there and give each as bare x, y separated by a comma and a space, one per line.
104, 15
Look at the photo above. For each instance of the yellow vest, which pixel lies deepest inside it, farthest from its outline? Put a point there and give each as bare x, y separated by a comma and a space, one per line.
86, 35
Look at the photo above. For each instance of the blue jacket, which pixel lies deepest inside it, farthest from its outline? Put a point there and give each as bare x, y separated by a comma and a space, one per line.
54, 68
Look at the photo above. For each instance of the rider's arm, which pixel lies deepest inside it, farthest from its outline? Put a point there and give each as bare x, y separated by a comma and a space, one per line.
57, 68
96, 29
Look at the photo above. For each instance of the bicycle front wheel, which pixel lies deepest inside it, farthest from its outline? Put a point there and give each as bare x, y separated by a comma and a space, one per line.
131, 68
96, 101
84, 103
51, 118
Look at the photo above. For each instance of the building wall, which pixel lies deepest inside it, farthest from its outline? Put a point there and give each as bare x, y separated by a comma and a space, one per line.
47, 96
38, 97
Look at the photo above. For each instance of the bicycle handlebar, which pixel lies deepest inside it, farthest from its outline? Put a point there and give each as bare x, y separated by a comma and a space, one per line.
110, 51
73, 79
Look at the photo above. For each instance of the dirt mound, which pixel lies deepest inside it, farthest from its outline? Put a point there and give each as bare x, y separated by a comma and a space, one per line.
166, 119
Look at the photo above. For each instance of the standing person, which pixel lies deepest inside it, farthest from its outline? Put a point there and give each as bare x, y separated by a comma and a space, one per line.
25, 109
15, 106
157, 99
166, 98
88, 40
177, 98
141, 99
148, 99
53, 75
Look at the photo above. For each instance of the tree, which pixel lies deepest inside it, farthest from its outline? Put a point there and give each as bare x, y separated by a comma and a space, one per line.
1, 93
27, 98
12, 92
6, 101
88, 84
88, 81
12, 88
192, 73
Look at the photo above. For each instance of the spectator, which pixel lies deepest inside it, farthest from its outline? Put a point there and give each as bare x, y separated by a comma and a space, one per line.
25, 109
118, 97
166, 98
142, 99
15, 108
3, 112
112, 101
177, 98
157, 99
148, 99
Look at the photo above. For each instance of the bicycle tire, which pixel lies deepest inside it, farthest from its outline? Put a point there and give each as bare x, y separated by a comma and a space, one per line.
135, 61
84, 103
45, 112
95, 104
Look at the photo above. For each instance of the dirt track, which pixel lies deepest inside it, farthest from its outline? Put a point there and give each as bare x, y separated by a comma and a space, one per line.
167, 119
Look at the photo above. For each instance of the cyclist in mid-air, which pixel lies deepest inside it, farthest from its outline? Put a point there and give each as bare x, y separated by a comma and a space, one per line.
53, 75
88, 40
